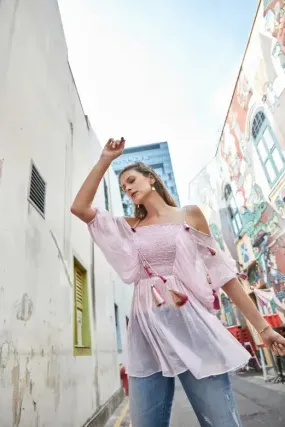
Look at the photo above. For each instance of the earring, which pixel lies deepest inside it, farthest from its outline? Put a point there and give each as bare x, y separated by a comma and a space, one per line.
153, 188
138, 206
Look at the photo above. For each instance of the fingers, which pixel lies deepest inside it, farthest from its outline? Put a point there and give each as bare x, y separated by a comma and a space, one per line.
278, 349
112, 143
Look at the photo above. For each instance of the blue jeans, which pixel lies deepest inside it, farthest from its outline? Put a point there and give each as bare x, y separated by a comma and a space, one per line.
211, 398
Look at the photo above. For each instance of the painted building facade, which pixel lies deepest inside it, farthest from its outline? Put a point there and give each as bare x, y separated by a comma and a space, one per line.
63, 310
243, 188
156, 156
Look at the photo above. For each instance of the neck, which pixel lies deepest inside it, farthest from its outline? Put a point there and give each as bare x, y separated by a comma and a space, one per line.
156, 206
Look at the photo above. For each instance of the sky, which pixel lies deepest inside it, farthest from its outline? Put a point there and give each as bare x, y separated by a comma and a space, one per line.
158, 70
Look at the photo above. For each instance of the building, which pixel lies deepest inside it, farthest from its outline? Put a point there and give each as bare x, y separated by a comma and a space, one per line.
63, 310
242, 191
156, 156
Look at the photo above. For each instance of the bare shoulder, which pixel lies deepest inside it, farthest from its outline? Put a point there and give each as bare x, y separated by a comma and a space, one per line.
196, 218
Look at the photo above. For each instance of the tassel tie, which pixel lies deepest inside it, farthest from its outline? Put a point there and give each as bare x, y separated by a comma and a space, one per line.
213, 252
178, 298
243, 276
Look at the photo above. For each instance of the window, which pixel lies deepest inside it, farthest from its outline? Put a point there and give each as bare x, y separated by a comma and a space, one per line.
82, 335
37, 192
106, 194
268, 149
233, 210
118, 332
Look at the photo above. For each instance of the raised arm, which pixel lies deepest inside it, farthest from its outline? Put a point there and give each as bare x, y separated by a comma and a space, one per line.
237, 294
81, 207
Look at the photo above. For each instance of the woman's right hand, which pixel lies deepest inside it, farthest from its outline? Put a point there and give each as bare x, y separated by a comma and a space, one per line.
113, 149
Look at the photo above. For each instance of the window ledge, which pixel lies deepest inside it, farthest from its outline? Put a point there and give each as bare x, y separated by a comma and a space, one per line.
82, 346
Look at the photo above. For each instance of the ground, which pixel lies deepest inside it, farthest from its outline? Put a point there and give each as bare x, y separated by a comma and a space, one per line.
260, 404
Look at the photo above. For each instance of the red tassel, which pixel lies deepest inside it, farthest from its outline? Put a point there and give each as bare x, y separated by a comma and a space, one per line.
216, 303
147, 270
209, 279
243, 276
212, 251
163, 279
158, 299
178, 298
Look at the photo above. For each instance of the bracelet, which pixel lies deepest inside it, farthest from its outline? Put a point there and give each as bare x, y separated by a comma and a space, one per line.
264, 329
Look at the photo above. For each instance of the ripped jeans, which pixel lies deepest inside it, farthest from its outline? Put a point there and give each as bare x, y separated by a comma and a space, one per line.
211, 398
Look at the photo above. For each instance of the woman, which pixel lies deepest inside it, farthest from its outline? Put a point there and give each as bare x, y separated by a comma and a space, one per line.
177, 269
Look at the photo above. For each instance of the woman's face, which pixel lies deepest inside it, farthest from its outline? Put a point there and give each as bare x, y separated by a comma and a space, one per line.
136, 185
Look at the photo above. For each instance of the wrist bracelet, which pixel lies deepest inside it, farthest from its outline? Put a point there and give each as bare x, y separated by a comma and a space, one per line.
264, 329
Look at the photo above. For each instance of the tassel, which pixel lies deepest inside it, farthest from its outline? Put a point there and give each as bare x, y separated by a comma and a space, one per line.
147, 270
209, 279
186, 226
243, 276
216, 304
163, 279
212, 251
178, 298
157, 296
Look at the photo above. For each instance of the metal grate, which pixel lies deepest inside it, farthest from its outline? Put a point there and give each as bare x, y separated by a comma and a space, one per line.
257, 124
79, 288
228, 192
37, 193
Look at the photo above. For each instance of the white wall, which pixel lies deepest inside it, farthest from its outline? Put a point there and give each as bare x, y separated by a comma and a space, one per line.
41, 119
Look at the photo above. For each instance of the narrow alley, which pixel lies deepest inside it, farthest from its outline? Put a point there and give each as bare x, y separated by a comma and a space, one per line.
260, 404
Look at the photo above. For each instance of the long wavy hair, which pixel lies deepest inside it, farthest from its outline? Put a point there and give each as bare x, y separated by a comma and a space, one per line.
140, 210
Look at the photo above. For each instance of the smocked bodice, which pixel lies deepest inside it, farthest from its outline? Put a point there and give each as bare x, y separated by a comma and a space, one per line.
156, 246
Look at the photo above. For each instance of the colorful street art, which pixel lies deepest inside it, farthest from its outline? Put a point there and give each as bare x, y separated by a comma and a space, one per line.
280, 202
274, 17
251, 155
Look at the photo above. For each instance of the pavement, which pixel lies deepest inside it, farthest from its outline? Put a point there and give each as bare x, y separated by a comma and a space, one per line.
260, 404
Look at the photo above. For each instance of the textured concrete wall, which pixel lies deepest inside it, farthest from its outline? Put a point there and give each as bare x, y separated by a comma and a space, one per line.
41, 120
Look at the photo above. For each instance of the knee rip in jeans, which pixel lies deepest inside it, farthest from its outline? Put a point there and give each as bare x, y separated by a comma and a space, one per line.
234, 414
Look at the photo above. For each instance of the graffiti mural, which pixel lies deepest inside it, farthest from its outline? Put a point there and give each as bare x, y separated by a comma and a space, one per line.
251, 157
274, 14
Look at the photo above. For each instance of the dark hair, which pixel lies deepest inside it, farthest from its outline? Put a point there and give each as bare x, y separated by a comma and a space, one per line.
140, 210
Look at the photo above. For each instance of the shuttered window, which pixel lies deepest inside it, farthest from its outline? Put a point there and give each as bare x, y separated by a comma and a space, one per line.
37, 192
82, 335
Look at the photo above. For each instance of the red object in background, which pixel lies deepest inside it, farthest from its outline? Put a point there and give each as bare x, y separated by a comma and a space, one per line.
273, 320
243, 335
125, 380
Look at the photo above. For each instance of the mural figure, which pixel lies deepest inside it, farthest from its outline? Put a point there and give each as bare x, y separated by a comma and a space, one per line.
278, 278
253, 223
264, 258
254, 275
280, 202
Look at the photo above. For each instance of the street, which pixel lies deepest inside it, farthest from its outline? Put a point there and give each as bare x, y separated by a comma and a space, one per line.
260, 404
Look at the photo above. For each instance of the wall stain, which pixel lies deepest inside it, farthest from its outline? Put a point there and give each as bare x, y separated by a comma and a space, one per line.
53, 376
24, 308
18, 394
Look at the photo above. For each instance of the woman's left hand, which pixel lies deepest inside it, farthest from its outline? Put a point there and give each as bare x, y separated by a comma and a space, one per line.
274, 341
